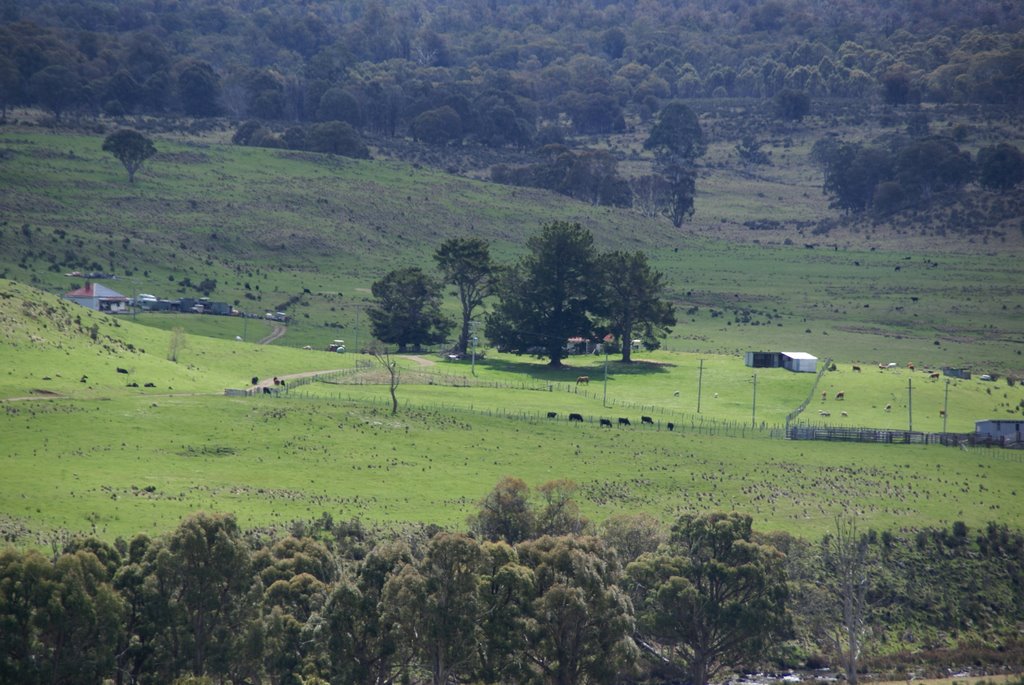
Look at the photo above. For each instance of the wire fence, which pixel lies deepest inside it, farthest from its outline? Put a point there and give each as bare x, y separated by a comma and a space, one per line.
642, 416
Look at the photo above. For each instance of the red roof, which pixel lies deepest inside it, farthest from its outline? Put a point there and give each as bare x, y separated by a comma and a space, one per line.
96, 290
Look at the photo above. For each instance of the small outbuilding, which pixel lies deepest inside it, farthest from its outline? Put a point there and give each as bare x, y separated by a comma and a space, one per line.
800, 362
99, 297
1005, 430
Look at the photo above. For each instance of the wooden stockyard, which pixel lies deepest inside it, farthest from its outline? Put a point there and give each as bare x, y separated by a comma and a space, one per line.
893, 437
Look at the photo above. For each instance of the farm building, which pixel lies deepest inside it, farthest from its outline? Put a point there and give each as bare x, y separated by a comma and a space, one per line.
956, 373
800, 362
1006, 430
99, 297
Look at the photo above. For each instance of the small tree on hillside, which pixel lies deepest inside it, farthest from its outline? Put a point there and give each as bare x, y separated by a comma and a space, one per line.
131, 148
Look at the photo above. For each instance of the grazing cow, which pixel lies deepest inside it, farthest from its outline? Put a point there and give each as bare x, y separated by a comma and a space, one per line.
133, 385
120, 370
910, 365
307, 347
841, 395
824, 395
276, 381
646, 419
891, 365
624, 421
883, 367
843, 413
266, 391
576, 417
856, 368
824, 413
606, 423
934, 376
149, 385
255, 380
888, 407
585, 380
671, 426
552, 414
942, 412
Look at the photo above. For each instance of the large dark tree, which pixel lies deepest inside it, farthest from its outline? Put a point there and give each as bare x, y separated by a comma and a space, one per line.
1000, 167
338, 138
466, 264
56, 87
713, 597
407, 310
677, 141
633, 299
546, 298
677, 134
131, 148
199, 90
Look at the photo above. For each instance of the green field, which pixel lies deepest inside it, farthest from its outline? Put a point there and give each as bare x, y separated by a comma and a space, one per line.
101, 456
269, 225
135, 464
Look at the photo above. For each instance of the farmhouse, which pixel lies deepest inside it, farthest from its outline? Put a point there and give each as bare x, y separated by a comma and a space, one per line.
1005, 430
99, 297
800, 362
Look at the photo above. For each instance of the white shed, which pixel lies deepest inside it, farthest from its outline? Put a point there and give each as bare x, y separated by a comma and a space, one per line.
800, 362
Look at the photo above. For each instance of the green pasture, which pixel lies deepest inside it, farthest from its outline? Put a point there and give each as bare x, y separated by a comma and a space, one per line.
138, 464
223, 327
51, 347
310, 233
101, 456
505, 384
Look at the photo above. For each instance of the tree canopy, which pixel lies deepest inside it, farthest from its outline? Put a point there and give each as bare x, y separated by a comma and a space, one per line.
407, 309
131, 148
546, 298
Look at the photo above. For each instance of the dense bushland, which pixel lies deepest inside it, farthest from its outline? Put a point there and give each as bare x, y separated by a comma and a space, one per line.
534, 593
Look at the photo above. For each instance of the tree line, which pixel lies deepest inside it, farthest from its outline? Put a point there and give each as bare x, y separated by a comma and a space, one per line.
531, 593
563, 288
909, 172
495, 69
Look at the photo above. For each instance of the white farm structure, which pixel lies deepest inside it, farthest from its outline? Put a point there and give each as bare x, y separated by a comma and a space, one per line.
800, 362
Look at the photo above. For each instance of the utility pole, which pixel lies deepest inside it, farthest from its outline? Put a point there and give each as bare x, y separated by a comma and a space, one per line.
910, 403
753, 410
945, 407
700, 380
472, 330
604, 402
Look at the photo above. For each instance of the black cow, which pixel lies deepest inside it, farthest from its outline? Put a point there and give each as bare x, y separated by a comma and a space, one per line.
624, 421
255, 380
552, 414
576, 417
647, 419
267, 391
120, 370
150, 385
671, 426
606, 422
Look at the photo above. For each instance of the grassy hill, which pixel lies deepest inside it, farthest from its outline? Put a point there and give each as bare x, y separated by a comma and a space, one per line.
308, 234
104, 457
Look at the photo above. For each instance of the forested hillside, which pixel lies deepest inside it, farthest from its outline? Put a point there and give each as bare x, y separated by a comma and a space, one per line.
562, 96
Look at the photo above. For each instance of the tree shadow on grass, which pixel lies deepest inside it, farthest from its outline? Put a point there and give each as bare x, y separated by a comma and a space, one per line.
574, 367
